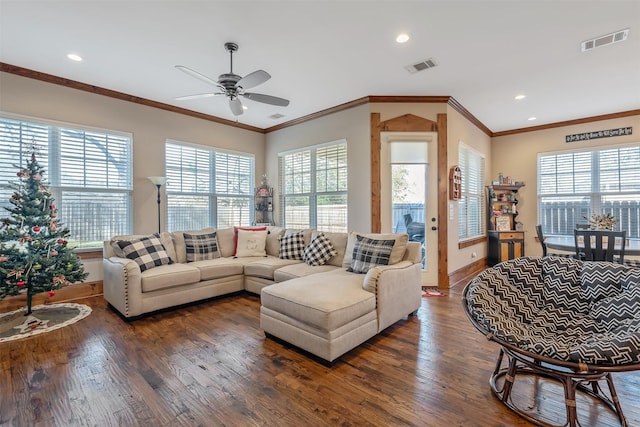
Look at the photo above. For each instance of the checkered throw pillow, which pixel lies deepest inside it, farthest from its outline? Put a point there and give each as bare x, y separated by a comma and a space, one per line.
319, 251
147, 252
201, 246
367, 253
292, 246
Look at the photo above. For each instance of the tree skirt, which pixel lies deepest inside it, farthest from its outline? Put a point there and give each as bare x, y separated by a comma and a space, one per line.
43, 318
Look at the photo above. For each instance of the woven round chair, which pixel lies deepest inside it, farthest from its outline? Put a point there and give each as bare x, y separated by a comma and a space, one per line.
563, 319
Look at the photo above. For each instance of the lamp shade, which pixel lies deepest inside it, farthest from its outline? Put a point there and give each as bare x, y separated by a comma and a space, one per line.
158, 180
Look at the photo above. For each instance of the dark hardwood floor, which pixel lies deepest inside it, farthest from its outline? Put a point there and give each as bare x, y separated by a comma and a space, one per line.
209, 364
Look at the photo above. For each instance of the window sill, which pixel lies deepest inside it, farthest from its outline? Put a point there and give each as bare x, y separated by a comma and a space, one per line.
471, 242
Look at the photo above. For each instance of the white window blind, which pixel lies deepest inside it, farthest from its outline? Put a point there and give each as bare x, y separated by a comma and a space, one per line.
575, 185
207, 187
471, 206
88, 172
314, 188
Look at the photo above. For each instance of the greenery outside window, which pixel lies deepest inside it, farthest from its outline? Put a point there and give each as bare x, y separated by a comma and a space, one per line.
208, 187
471, 206
573, 185
313, 187
89, 173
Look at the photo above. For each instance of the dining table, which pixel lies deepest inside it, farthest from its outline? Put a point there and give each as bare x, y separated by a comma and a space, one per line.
568, 243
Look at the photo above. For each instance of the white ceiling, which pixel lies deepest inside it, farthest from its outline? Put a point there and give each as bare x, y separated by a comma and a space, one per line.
324, 53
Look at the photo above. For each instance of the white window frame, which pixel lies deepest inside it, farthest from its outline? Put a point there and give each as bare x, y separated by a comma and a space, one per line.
568, 192
209, 192
472, 203
311, 190
64, 184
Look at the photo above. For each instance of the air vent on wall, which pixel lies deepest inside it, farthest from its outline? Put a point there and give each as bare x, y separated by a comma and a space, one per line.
616, 37
421, 66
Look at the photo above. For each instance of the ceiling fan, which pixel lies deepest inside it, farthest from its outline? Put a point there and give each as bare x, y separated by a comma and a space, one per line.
233, 86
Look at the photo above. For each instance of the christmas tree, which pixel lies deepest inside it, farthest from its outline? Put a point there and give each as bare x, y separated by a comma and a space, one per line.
34, 252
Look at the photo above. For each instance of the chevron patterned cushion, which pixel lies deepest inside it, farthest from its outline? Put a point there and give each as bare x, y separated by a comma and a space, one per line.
561, 308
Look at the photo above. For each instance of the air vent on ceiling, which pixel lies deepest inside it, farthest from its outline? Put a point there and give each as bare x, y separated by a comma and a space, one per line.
276, 116
616, 37
421, 66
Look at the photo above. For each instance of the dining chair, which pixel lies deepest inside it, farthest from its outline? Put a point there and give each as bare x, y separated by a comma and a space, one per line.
600, 245
545, 249
583, 226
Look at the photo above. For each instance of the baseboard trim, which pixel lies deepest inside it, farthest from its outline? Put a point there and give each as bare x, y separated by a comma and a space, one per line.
466, 273
66, 294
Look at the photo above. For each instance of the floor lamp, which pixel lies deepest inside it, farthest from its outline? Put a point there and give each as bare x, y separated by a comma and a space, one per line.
158, 181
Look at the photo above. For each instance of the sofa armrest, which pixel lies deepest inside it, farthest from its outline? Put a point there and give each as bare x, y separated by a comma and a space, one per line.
398, 290
122, 285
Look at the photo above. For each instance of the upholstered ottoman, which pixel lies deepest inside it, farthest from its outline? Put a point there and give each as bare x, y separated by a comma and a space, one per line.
325, 314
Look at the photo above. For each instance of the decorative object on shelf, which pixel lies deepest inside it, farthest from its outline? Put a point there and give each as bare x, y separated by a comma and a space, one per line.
505, 234
263, 203
158, 181
602, 221
455, 183
34, 256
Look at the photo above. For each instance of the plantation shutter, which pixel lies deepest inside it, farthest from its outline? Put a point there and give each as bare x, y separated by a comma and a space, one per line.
471, 206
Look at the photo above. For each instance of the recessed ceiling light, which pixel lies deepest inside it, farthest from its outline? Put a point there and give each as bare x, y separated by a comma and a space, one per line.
402, 38
74, 57
519, 97
531, 119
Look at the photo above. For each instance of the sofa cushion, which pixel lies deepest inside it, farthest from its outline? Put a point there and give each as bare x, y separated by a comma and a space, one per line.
201, 246
180, 246
169, 276
265, 267
368, 253
292, 246
397, 254
325, 301
273, 240
319, 250
300, 269
147, 252
251, 243
226, 242
111, 248
217, 268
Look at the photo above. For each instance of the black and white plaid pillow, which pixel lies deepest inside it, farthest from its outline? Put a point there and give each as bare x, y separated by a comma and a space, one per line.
147, 252
201, 246
367, 253
319, 251
292, 246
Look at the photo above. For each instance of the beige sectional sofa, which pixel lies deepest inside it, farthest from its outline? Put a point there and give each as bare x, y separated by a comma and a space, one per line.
323, 309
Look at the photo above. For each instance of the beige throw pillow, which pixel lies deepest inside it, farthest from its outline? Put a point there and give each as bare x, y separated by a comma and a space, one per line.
397, 253
251, 243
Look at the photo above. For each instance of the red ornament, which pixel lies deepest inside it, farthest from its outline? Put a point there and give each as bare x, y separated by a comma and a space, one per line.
60, 241
54, 253
36, 228
52, 207
20, 283
52, 293
20, 174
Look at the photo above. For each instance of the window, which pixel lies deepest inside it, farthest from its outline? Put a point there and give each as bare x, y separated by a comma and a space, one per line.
88, 173
575, 185
471, 206
207, 187
314, 187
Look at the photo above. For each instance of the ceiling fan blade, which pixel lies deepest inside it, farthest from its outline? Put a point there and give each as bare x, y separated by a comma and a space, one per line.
198, 96
236, 106
267, 99
198, 76
253, 79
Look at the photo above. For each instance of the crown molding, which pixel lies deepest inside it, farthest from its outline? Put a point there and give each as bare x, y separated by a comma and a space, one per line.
73, 84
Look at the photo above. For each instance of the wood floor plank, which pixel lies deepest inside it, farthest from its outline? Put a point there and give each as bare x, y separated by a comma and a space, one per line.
209, 364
